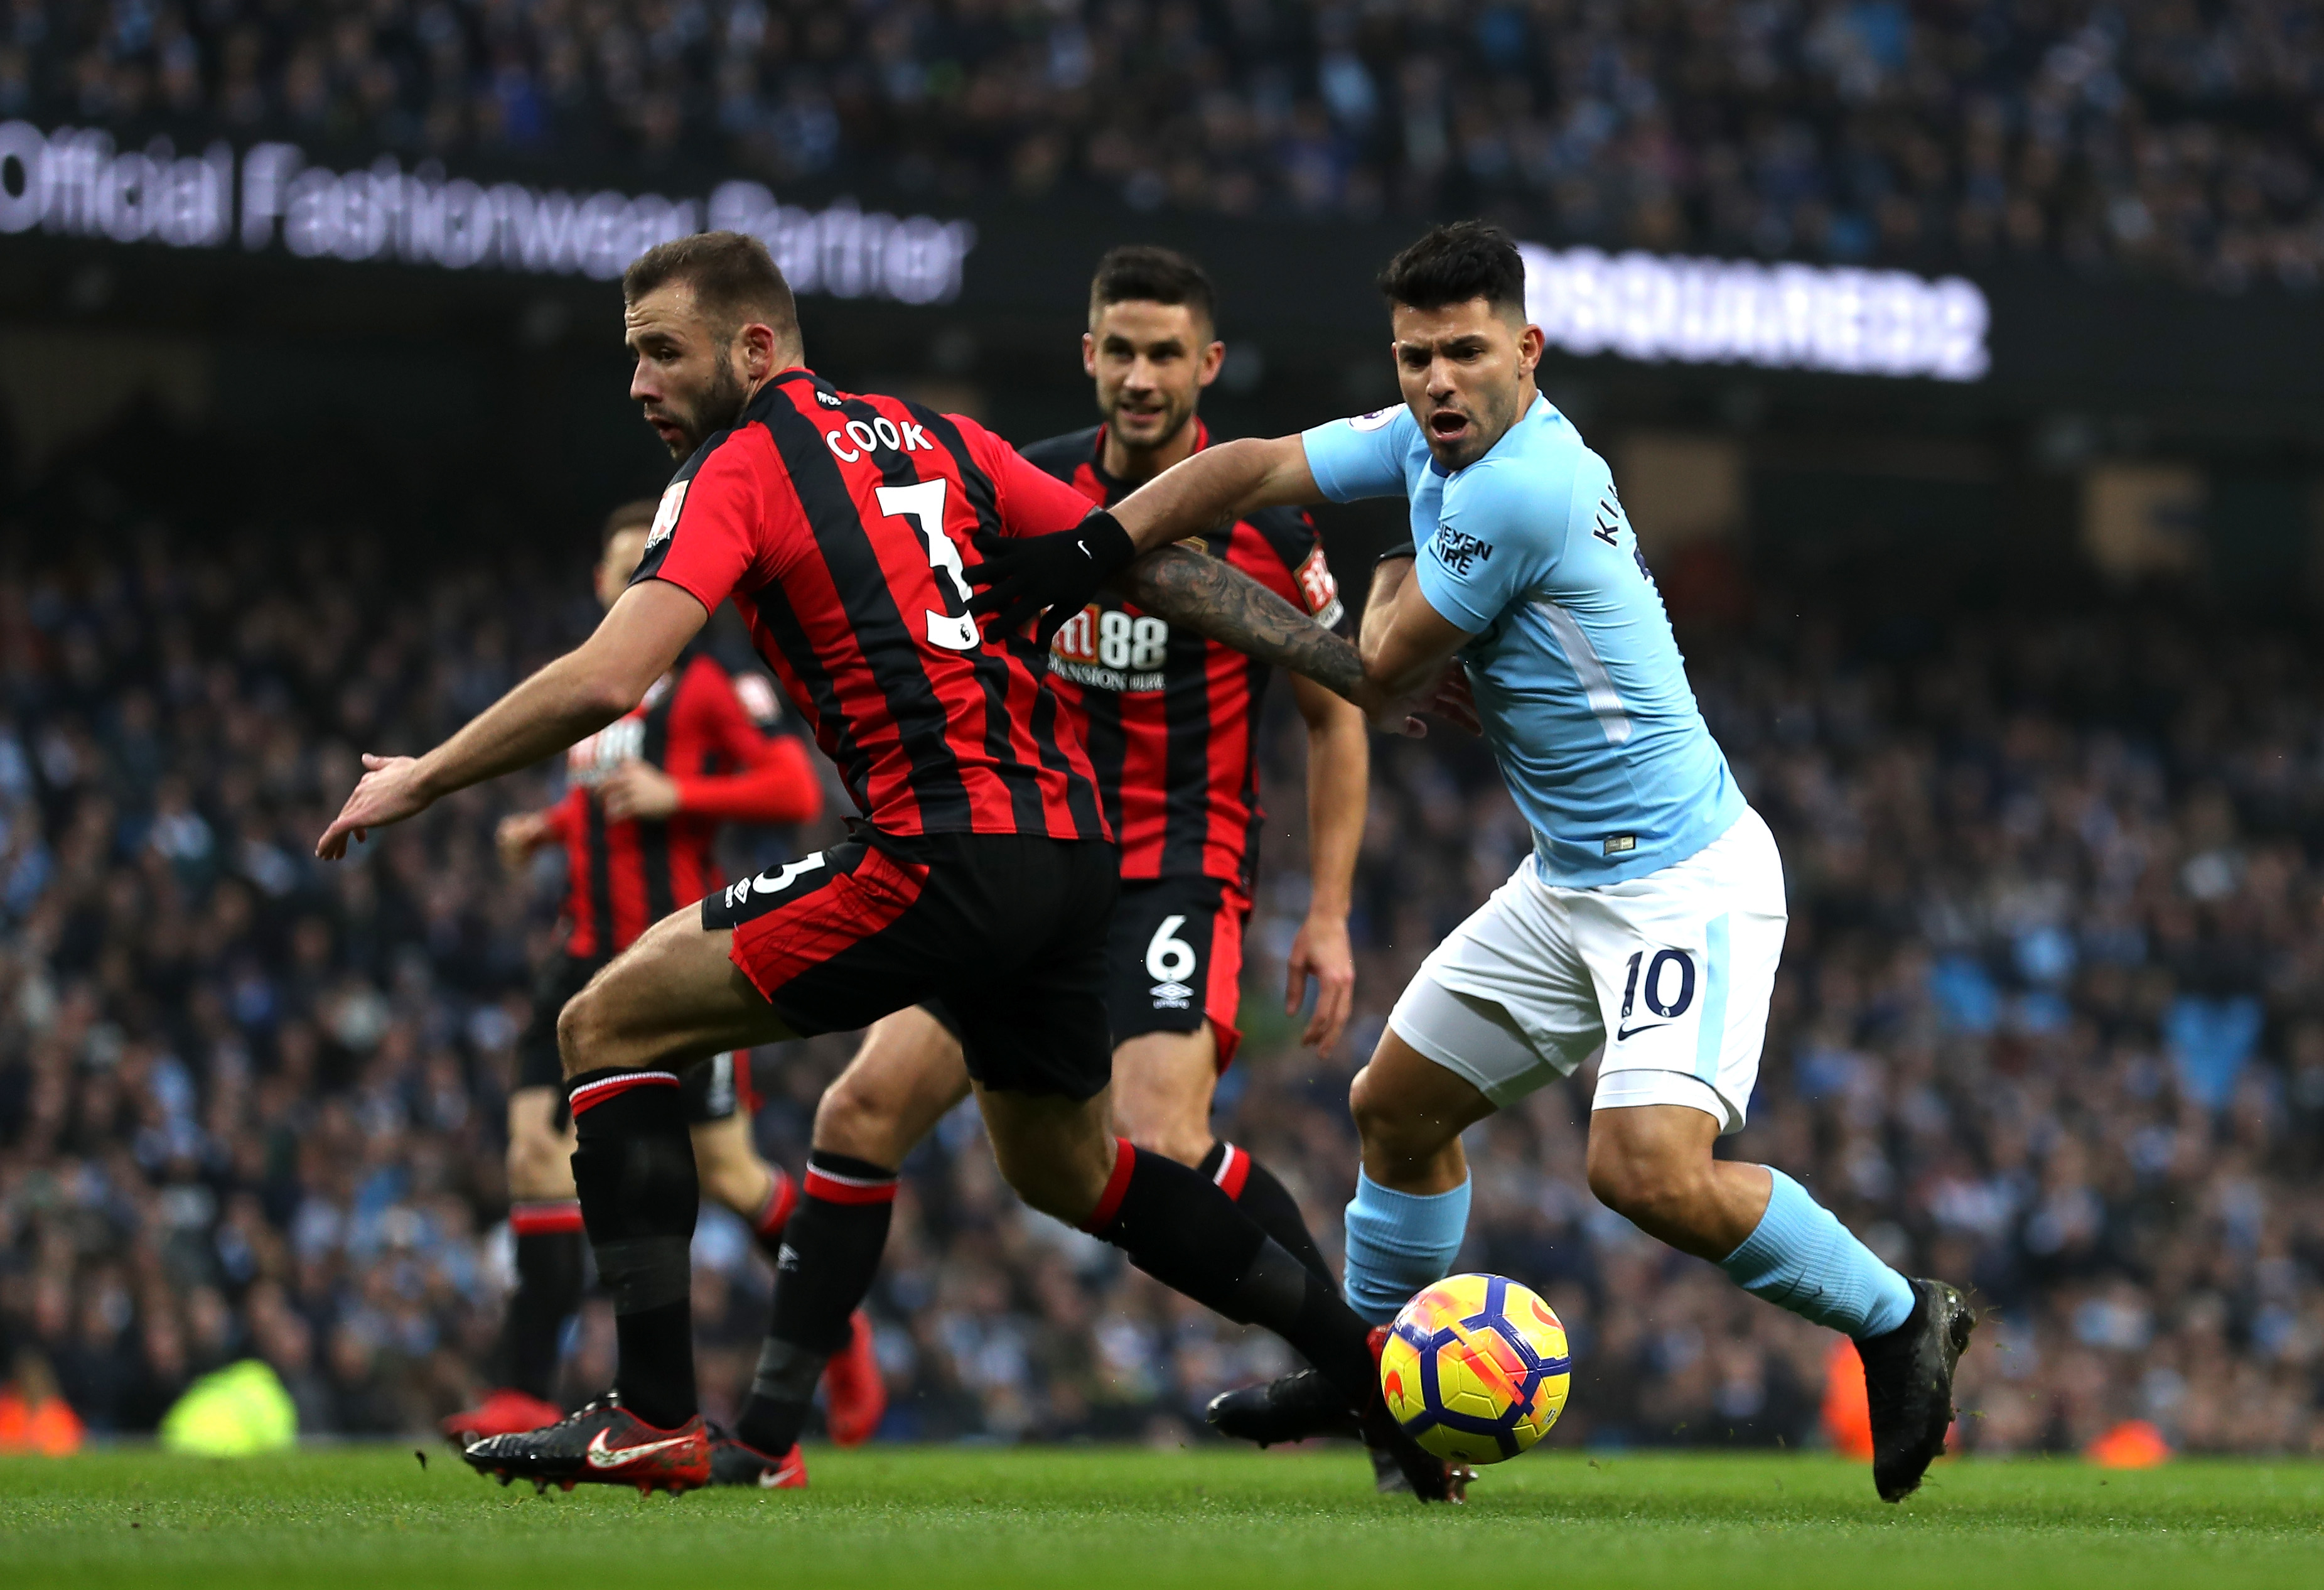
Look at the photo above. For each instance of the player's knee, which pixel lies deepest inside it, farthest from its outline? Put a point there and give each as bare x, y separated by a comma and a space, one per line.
1056, 1187
1058, 1196
580, 1032
860, 1118
1647, 1185
1058, 1171
1391, 1130
1172, 1141
1163, 1126
740, 1184
537, 1167
589, 1032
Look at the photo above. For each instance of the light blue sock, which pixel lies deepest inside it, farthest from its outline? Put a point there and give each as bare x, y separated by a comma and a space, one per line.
1802, 1258
1398, 1242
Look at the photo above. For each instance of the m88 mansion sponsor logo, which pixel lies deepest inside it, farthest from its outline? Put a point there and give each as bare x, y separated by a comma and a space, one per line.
1106, 649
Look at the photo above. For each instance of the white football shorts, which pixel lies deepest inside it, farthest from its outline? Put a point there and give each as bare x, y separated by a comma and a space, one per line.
1669, 973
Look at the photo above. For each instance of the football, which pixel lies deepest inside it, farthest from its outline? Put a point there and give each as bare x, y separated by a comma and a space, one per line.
1476, 1369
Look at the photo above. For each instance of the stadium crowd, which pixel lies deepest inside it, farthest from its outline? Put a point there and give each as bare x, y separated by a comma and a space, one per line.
2161, 137
2052, 1020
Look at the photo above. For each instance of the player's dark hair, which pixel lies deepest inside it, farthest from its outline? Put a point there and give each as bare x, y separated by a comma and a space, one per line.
1139, 273
637, 515
1455, 263
735, 279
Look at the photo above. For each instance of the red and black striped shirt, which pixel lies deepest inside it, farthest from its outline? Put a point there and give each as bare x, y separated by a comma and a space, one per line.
842, 526
1171, 718
698, 724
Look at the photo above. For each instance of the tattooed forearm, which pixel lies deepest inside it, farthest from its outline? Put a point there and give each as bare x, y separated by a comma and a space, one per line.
1185, 587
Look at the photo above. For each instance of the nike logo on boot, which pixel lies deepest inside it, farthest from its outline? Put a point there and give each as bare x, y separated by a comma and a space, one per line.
600, 1456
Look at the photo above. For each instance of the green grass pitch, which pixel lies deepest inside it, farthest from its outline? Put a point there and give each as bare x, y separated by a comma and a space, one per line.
1089, 1518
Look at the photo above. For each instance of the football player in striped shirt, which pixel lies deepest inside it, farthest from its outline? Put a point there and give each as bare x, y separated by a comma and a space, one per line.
644, 798
1171, 721
848, 528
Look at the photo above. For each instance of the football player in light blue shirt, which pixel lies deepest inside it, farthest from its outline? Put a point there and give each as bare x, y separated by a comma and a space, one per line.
1522, 600
1527, 552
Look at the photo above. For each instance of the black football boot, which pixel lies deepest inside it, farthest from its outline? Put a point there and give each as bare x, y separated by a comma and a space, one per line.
1296, 1407
1908, 1381
604, 1444
733, 1462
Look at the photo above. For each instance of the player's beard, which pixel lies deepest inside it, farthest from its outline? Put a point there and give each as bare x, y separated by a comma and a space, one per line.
1489, 417
1171, 416
721, 405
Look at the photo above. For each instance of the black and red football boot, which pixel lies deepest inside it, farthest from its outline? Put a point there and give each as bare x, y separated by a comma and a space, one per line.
604, 1444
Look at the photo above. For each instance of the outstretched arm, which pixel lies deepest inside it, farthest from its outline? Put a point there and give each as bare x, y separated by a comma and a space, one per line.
1056, 554
578, 693
1232, 480
1224, 604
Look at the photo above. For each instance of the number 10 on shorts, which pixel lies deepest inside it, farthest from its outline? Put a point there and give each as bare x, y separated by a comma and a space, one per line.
1662, 980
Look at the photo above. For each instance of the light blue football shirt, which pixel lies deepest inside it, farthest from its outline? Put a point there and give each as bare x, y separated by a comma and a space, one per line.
1579, 682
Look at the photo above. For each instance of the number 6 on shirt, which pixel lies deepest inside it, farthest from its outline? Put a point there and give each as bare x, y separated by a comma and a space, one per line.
923, 504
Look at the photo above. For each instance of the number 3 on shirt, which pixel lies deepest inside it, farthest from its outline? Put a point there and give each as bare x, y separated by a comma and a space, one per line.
924, 505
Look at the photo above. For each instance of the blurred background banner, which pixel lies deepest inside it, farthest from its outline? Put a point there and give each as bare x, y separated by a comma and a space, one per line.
2034, 330
1962, 367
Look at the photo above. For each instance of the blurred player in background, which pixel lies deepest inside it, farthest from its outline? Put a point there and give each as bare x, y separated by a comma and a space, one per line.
1170, 719
1646, 921
644, 798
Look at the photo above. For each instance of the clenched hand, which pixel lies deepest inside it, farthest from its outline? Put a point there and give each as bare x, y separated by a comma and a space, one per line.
639, 790
1048, 577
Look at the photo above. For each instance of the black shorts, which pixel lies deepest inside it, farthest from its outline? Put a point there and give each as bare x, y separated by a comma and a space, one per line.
1174, 960
713, 1091
1007, 929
